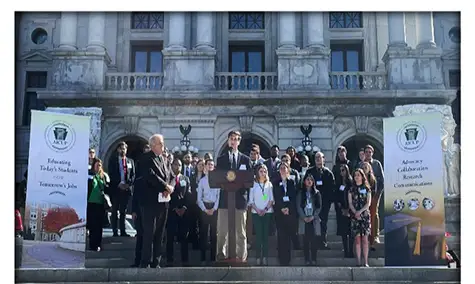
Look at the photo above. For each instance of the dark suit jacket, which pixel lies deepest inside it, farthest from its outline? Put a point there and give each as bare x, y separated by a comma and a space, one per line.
156, 175
114, 174
273, 173
336, 171
279, 193
327, 189
223, 163
181, 196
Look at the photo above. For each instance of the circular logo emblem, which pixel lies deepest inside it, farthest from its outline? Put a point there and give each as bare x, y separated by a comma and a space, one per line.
398, 204
411, 137
428, 203
60, 136
413, 204
231, 176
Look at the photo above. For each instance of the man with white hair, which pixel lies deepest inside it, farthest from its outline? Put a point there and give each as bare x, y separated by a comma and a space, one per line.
157, 186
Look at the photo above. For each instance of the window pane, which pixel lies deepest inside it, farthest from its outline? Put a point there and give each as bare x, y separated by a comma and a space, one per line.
352, 20
337, 20
36, 79
156, 20
156, 61
237, 21
337, 61
340, 20
238, 61
255, 62
352, 61
140, 61
255, 21
31, 103
141, 20
246, 21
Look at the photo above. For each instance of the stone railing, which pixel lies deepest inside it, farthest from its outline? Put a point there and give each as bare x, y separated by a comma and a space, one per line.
246, 81
358, 80
73, 237
134, 81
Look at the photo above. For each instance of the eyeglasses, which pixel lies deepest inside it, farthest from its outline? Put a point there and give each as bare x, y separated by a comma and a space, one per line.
342, 170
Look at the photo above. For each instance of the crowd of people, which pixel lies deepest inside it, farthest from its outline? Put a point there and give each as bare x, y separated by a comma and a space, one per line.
172, 201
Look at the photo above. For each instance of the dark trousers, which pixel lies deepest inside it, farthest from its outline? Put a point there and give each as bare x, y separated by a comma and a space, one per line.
119, 203
324, 217
138, 238
310, 243
154, 219
348, 241
194, 225
208, 223
295, 236
177, 226
284, 235
95, 213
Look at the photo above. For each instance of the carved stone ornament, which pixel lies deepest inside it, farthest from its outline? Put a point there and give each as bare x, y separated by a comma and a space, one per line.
95, 114
341, 124
245, 123
450, 149
361, 124
131, 125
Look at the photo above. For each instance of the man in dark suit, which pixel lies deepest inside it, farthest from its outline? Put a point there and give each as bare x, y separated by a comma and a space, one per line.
122, 175
137, 212
294, 161
273, 162
157, 188
193, 211
233, 159
325, 182
177, 223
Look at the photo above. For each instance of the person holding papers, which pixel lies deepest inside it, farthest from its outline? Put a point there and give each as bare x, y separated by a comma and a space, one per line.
359, 199
157, 188
208, 201
285, 191
261, 199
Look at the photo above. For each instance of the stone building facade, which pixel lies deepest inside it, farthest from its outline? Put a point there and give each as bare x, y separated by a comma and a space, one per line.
266, 74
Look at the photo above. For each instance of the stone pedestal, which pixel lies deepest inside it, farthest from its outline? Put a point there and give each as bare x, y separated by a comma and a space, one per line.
94, 113
452, 219
303, 69
409, 68
79, 70
188, 69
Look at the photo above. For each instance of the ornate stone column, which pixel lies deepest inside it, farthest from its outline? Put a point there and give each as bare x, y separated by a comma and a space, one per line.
96, 31
68, 35
189, 69
287, 30
204, 30
176, 31
307, 68
425, 30
397, 29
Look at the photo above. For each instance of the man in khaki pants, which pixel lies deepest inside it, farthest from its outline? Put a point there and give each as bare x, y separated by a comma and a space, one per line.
235, 160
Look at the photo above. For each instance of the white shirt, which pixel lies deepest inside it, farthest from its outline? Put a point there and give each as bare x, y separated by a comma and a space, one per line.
231, 153
207, 194
260, 195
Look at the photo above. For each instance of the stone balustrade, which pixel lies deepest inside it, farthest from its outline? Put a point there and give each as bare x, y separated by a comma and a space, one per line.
73, 237
358, 80
135, 81
242, 81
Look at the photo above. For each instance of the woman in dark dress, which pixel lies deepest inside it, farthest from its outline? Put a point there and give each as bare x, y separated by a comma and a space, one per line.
341, 206
359, 198
368, 170
285, 212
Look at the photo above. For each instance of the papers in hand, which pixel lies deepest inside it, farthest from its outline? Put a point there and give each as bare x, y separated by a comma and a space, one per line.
243, 167
162, 199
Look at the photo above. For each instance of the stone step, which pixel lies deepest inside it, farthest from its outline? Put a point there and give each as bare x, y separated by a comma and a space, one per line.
272, 261
263, 282
241, 275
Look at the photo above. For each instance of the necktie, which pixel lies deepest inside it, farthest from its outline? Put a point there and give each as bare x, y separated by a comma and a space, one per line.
177, 180
234, 162
124, 165
188, 174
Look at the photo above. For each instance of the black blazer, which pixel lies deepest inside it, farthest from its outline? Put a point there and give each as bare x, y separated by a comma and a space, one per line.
156, 175
327, 189
336, 170
272, 172
224, 164
181, 196
279, 193
114, 174
192, 171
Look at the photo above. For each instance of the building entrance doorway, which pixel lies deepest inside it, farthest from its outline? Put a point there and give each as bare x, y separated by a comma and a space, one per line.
355, 143
245, 147
135, 147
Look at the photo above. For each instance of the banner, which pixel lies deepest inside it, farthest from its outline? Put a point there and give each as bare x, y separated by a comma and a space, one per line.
56, 197
414, 222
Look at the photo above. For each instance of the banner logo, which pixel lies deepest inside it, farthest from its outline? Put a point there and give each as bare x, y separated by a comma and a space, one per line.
60, 136
411, 137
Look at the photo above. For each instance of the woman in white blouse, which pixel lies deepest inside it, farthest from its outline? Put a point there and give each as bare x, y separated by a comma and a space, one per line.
261, 199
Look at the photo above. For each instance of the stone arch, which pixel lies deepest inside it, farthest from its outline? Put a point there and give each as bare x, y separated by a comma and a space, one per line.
109, 145
351, 132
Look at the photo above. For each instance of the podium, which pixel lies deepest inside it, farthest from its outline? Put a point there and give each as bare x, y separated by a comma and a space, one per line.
231, 181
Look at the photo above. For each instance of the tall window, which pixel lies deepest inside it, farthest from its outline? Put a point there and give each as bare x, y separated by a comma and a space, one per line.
345, 20
153, 20
346, 58
147, 59
249, 59
246, 21
34, 81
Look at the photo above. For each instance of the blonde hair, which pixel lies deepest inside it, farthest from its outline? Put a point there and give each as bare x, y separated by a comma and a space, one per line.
257, 176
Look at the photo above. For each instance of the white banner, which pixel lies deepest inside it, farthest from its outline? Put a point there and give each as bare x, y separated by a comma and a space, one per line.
414, 194
57, 175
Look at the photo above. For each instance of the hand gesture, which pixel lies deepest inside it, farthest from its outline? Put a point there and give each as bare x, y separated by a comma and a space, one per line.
209, 212
169, 189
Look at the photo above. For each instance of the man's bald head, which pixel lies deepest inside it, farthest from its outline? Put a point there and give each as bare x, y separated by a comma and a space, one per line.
157, 143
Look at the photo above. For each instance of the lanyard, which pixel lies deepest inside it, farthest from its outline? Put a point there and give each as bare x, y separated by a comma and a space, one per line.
284, 184
262, 187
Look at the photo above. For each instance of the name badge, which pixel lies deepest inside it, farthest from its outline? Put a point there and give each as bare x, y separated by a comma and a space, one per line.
363, 191
243, 167
280, 183
182, 183
264, 197
129, 165
342, 187
319, 182
286, 199
91, 177
89, 167
292, 177
309, 206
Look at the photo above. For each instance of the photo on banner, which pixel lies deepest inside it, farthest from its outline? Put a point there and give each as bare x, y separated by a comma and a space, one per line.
56, 200
414, 195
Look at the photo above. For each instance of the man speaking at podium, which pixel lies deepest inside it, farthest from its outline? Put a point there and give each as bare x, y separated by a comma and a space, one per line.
233, 160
